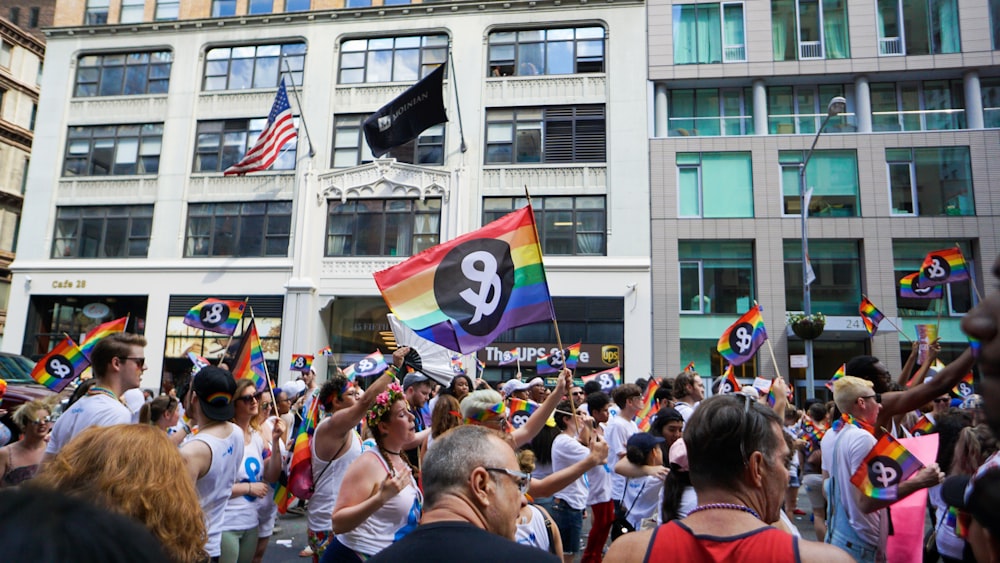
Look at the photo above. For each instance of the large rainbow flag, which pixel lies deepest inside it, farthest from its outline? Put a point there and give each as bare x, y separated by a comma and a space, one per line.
887, 465
553, 363
463, 293
249, 363
100, 331
911, 288
216, 315
943, 266
60, 366
300, 467
742, 339
870, 315
649, 406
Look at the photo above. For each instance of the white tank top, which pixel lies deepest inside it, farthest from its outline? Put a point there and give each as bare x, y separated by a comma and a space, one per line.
216, 486
326, 482
533, 533
241, 511
394, 520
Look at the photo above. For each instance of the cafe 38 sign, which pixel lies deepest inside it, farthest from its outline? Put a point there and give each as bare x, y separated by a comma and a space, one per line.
591, 355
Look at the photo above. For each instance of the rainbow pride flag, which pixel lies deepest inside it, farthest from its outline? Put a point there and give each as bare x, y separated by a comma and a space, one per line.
516, 405
249, 363
100, 331
943, 266
964, 388
728, 382
870, 315
841, 371
464, 293
689, 367
649, 406
282, 497
325, 351
812, 433
959, 521
553, 363
3, 389
300, 467
490, 413
887, 465
216, 315
302, 362
369, 365
742, 339
923, 426
975, 345
509, 356
60, 366
198, 362
911, 288
609, 378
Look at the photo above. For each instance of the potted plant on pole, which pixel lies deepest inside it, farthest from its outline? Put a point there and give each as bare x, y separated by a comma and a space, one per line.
806, 327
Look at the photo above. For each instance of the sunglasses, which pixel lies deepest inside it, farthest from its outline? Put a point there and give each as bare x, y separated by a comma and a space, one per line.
876, 396
523, 480
247, 399
942, 400
266, 405
41, 421
139, 361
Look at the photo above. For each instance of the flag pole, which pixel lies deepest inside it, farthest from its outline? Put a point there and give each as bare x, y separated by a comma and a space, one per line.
770, 349
894, 325
298, 102
458, 107
229, 342
267, 376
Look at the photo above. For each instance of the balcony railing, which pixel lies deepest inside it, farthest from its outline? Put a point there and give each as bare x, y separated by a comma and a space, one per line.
810, 50
734, 54
711, 126
919, 120
991, 117
807, 123
890, 46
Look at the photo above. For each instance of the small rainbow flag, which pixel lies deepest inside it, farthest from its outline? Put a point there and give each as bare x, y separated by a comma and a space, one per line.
772, 399
516, 405
282, 497
943, 266
813, 434
60, 366
922, 426
301, 362
423, 291
216, 315
100, 331
326, 351
728, 382
841, 371
649, 406
887, 465
490, 413
870, 315
198, 362
509, 356
964, 387
975, 345
300, 467
910, 288
369, 365
740, 341
249, 363
689, 367
959, 521
609, 378
553, 363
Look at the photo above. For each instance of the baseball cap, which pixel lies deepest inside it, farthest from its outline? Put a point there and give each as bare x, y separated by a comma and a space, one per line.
978, 496
214, 388
513, 386
678, 455
644, 441
536, 381
413, 378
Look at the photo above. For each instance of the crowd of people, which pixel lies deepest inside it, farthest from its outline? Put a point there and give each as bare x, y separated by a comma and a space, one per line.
405, 469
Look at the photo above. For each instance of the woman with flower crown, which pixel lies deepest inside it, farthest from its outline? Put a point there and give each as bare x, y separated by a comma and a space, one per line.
379, 501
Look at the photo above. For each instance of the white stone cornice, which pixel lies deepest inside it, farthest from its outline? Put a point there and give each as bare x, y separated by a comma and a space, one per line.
384, 178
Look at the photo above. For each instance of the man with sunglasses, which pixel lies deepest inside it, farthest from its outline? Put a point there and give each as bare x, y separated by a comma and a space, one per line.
857, 523
118, 364
473, 491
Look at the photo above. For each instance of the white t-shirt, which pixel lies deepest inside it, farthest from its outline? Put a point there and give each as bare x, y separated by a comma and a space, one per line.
92, 410
215, 487
645, 494
241, 511
685, 410
852, 446
599, 481
616, 434
565, 452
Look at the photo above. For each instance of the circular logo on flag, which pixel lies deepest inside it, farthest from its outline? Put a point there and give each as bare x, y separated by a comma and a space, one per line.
214, 314
919, 289
555, 360
938, 270
726, 387
607, 382
741, 338
59, 366
473, 283
518, 418
884, 472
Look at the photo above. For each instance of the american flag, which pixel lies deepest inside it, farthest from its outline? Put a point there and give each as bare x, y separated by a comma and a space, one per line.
280, 129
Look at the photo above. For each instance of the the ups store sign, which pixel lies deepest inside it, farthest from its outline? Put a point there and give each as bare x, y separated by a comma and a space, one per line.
592, 356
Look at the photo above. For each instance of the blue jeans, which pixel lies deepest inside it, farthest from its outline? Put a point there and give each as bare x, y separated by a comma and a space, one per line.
569, 521
840, 533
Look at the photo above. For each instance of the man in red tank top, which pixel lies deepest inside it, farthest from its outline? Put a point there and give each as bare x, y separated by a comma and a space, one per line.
739, 469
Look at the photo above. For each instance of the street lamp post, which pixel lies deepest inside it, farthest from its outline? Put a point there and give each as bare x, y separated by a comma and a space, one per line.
837, 105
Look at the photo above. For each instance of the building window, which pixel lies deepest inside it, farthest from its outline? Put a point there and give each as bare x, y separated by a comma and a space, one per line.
261, 6
717, 276
567, 225
833, 177
223, 8
930, 181
990, 88
908, 256
931, 105
545, 135
113, 150
837, 265
714, 184
167, 9
358, 4
995, 23
253, 66
546, 51
96, 12
132, 11
256, 228
809, 29
33, 17
15, 15
114, 231
801, 110
9, 219
221, 144
382, 227
391, 59
708, 112
297, 5
351, 149
917, 27
34, 114
123, 74
5, 50
709, 33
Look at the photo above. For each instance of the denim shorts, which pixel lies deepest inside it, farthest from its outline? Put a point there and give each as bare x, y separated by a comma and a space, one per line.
569, 521
859, 550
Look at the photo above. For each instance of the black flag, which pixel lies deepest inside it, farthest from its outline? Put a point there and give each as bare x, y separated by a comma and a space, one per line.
401, 120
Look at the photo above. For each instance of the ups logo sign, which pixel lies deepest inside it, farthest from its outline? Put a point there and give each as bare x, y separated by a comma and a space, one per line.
610, 354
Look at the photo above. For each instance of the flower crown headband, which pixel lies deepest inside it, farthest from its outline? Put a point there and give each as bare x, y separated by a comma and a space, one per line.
383, 404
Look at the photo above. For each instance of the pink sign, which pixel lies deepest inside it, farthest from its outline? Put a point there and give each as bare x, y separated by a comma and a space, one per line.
907, 543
